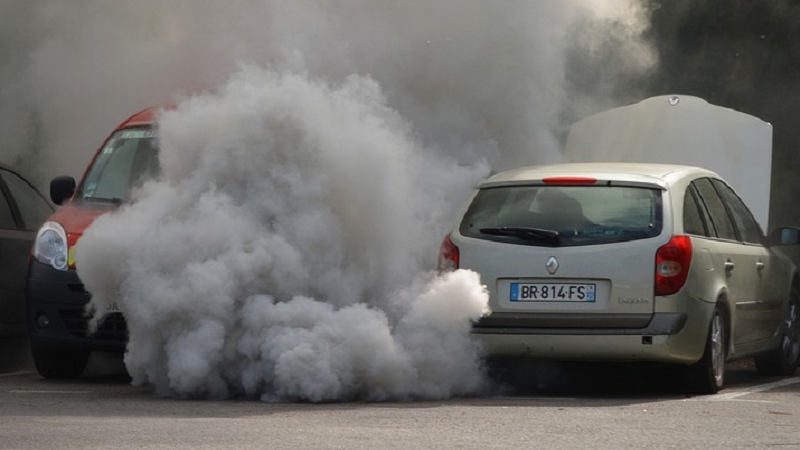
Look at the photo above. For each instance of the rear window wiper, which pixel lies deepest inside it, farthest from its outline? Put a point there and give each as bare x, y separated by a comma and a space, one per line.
531, 234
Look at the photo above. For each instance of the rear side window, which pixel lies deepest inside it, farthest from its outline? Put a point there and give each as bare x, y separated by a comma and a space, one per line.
745, 223
720, 219
693, 222
33, 208
7, 221
563, 215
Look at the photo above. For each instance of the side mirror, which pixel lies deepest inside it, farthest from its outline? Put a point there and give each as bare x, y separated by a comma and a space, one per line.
785, 236
61, 188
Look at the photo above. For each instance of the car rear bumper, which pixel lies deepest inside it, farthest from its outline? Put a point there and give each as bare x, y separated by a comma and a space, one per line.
665, 338
60, 297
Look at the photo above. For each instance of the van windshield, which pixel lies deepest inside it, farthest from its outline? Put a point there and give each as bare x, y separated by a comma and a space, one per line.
563, 215
128, 158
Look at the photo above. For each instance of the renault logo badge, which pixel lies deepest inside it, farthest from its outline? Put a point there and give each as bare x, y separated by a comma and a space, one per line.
552, 265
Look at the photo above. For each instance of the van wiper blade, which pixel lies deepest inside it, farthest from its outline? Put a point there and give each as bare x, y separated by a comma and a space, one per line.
114, 200
531, 234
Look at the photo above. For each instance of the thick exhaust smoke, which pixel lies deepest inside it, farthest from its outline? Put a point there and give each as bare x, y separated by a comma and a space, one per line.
283, 251
476, 80
286, 250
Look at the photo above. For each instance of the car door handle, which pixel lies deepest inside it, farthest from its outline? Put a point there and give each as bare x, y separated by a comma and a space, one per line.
760, 268
729, 266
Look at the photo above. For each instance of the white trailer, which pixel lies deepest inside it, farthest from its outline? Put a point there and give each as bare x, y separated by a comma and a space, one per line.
680, 129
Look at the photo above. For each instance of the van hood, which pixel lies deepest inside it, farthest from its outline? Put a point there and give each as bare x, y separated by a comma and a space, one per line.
75, 218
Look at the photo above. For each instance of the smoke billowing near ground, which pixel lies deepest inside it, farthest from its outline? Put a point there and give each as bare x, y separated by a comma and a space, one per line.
281, 254
314, 162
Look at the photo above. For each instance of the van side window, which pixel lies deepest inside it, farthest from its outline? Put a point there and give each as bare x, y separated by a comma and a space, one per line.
693, 217
721, 220
745, 223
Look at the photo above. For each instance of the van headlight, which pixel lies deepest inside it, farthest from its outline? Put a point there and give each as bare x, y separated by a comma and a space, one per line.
51, 246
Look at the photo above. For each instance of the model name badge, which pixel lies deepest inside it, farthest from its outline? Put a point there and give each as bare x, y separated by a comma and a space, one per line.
633, 301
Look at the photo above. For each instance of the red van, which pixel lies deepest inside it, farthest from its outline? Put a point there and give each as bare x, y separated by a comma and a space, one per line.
57, 325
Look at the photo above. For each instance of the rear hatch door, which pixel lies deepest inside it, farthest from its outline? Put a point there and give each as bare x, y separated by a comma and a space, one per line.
585, 259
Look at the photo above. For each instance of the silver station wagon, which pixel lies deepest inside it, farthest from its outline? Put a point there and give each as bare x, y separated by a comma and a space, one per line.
628, 262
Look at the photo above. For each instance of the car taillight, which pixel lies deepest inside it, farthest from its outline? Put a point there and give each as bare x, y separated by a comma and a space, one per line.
448, 255
672, 265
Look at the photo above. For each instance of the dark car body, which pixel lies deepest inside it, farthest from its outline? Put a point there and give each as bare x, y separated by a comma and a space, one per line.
22, 211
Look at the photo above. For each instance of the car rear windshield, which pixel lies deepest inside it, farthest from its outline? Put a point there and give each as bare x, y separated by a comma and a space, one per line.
559, 216
128, 158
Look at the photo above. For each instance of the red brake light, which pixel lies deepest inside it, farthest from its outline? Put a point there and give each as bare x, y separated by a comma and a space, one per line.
448, 255
672, 265
570, 180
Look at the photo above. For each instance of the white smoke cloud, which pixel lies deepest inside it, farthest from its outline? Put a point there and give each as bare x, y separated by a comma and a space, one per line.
279, 254
477, 80
284, 251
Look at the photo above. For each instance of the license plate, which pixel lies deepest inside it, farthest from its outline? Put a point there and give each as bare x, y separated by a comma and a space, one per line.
112, 307
553, 292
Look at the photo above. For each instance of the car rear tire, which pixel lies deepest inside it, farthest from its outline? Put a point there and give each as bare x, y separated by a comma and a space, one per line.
59, 364
707, 376
785, 359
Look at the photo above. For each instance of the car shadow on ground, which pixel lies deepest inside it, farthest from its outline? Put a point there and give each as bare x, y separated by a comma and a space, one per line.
511, 379
15, 357
104, 368
595, 379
